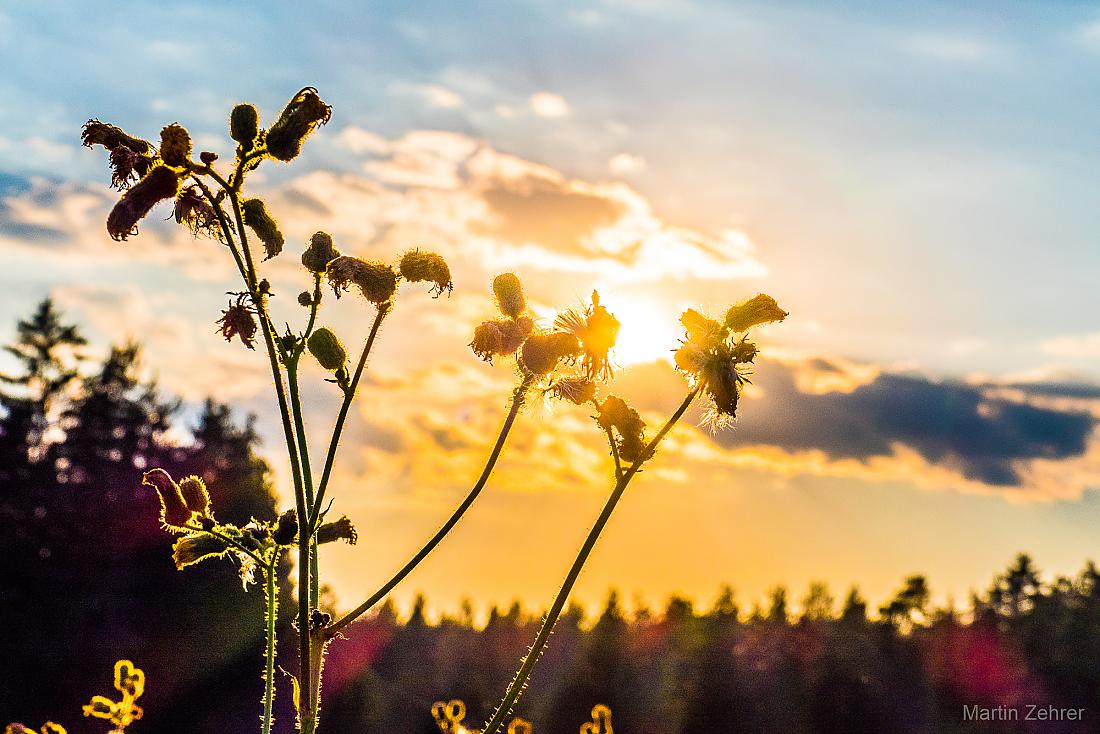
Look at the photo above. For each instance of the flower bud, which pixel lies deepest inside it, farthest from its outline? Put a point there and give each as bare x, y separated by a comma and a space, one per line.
417, 266
341, 529
760, 309
564, 344
244, 125
191, 549
299, 118
326, 347
305, 298
175, 146
286, 530
488, 340
509, 294
376, 281
194, 494
207, 157
266, 228
159, 184
616, 413
539, 354
173, 510
515, 332
319, 253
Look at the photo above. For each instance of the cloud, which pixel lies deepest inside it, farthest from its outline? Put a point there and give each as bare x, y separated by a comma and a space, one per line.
891, 426
548, 104
433, 95
625, 164
1075, 346
949, 48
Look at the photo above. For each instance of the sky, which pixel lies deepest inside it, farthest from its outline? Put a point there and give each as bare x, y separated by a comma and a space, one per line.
914, 182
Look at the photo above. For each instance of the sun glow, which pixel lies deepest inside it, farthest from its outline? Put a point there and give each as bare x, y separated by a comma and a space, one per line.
650, 330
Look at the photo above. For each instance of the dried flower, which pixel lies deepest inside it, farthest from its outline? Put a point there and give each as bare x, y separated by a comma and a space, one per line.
197, 547
159, 184
127, 166
266, 228
488, 340
616, 414
175, 146
509, 295
760, 309
319, 253
326, 347
299, 118
377, 281
195, 495
417, 266
244, 125
286, 530
238, 320
597, 329
341, 529
577, 390
111, 137
173, 509
194, 211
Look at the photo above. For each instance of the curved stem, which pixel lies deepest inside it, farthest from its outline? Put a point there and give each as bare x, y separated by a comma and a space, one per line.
518, 683
517, 403
345, 406
271, 614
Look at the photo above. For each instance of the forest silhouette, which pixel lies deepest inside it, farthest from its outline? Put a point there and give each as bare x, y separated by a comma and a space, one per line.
85, 579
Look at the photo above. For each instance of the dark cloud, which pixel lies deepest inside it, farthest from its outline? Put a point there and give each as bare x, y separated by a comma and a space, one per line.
950, 423
545, 212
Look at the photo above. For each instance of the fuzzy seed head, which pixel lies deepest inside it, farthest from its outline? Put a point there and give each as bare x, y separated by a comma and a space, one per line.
319, 253
159, 184
341, 529
175, 146
195, 495
244, 125
417, 266
265, 227
509, 295
760, 309
299, 118
327, 349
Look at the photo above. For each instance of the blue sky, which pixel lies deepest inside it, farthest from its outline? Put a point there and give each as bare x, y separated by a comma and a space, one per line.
915, 182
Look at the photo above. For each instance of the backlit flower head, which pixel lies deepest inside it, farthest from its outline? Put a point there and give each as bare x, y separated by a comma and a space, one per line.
299, 118
509, 295
244, 125
615, 414
501, 337
266, 228
192, 210
195, 495
238, 320
127, 166
342, 529
377, 281
111, 137
419, 266
319, 253
760, 309
597, 329
159, 184
175, 146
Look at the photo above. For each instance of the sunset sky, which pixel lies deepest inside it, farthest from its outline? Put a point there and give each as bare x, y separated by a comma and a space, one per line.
918, 187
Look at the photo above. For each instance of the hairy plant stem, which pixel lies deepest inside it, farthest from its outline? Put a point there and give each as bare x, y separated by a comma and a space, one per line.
345, 406
515, 689
307, 713
271, 614
517, 402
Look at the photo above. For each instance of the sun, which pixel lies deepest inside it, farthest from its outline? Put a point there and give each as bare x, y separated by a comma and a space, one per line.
650, 330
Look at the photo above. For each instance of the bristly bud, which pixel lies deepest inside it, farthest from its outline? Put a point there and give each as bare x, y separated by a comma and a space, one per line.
509, 295
326, 347
266, 228
515, 332
192, 549
299, 118
111, 137
377, 281
319, 253
539, 355
617, 414
207, 157
175, 146
577, 390
159, 184
238, 320
244, 125
195, 212
173, 510
341, 529
488, 340
195, 495
417, 266
760, 309
305, 298
286, 530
